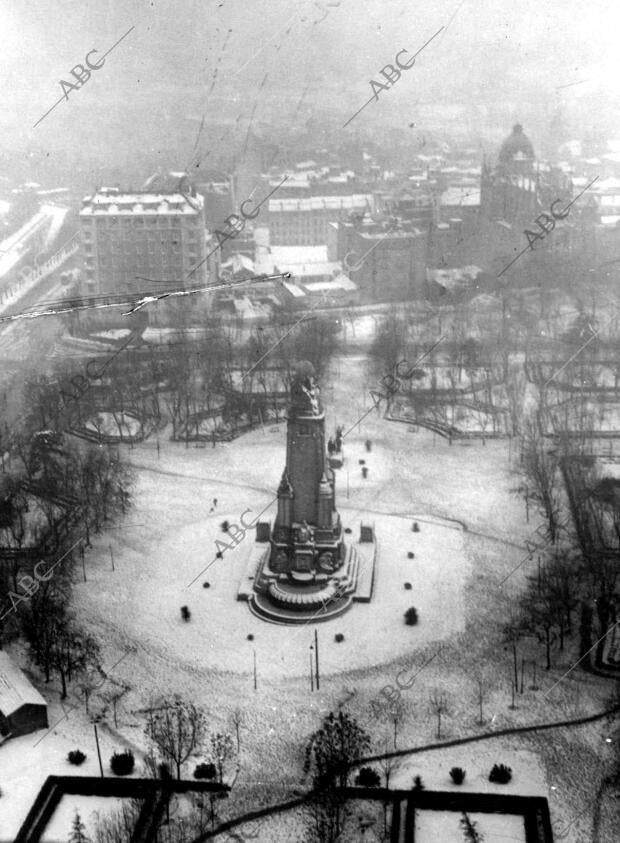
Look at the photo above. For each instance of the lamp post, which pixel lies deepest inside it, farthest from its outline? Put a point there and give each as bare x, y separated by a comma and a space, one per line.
316, 656
98, 750
311, 670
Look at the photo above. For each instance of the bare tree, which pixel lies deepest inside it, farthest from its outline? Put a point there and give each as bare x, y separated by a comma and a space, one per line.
387, 765
541, 613
470, 830
119, 826
482, 693
540, 467
113, 696
330, 752
176, 730
72, 653
237, 718
222, 750
439, 705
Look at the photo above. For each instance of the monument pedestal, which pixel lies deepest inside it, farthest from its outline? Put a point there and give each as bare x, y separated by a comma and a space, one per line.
306, 569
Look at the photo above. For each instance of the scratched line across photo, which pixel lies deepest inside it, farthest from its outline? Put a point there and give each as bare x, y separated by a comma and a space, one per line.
310, 422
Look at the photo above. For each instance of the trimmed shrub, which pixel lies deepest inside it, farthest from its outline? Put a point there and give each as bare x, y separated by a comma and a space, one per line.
76, 757
348, 530
367, 777
205, 771
416, 527
457, 774
407, 586
338, 637
362, 462
418, 784
411, 616
185, 613
122, 763
411, 555
225, 526
500, 773
206, 585
250, 637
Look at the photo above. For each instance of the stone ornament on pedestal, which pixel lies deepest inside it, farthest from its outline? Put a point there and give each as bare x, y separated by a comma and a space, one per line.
306, 564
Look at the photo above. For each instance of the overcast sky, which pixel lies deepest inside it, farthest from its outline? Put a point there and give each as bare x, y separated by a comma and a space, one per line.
515, 52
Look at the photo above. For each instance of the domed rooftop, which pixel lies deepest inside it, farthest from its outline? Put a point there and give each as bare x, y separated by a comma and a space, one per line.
517, 145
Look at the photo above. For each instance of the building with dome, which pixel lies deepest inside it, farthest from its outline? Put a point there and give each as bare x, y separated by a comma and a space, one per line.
513, 193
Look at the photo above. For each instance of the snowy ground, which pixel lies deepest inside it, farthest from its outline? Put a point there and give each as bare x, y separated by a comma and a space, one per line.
177, 541
26, 762
444, 826
90, 808
168, 538
114, 424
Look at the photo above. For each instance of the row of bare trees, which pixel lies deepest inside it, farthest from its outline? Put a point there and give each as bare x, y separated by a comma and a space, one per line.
177, 730
578, 566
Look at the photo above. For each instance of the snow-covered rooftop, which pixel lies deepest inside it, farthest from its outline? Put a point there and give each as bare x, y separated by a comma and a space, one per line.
460, 196
298, 254
317, 203
15, 688
107, 202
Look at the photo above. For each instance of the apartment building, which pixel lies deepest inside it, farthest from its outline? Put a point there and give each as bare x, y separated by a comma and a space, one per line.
129, 237
305, 221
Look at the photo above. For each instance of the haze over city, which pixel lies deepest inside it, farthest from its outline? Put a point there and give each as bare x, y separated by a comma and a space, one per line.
309, 421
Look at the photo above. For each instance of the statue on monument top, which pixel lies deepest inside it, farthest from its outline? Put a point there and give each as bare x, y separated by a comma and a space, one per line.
305, 390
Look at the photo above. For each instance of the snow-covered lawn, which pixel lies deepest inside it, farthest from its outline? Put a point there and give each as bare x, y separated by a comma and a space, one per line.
477, 759
169, 537
26, 762
431, 826
90, 808
159, 560
114, 424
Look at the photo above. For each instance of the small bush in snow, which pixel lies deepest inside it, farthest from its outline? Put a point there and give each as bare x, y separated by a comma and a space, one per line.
338, 637
122, 763
501, 774
418, 784
407, 586
367, 777
411, 616
185, 613
457, 774
76, 757
205, 771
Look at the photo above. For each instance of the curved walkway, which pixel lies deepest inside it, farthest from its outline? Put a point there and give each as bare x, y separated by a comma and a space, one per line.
297, 802
204, 478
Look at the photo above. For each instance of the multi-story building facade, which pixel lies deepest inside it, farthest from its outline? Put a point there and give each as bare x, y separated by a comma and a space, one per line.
387, 264
305, 221
142, 241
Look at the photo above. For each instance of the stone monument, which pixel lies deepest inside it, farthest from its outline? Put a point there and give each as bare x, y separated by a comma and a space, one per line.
302, 567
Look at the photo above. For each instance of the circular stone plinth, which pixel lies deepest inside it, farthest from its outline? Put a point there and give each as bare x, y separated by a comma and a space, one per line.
300, 598
263, 606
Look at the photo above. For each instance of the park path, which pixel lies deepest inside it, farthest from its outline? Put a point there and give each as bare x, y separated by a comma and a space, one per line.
280, 807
